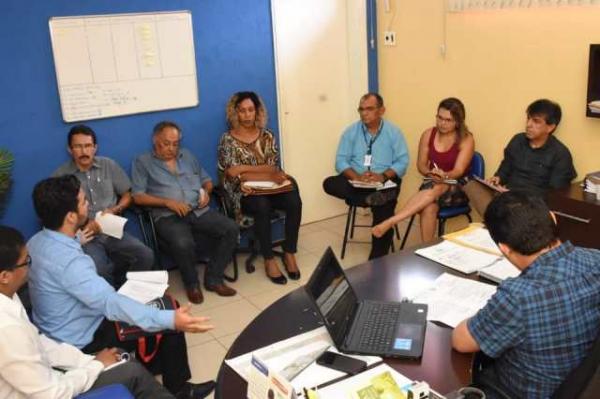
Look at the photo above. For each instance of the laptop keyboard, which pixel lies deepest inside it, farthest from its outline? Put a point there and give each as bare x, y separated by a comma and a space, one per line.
377, 331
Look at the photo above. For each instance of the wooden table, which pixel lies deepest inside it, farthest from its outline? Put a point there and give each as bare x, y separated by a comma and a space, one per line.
389, 278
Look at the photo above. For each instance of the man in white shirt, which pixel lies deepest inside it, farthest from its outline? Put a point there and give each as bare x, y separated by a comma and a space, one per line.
34, 366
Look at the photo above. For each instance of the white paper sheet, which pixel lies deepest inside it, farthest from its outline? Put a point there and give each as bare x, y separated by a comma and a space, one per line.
142, 291
458, 257
260, 184
157, 276
500, 271
283, 353
452, 299
111, 225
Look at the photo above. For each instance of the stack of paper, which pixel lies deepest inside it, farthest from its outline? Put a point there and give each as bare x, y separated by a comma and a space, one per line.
366, 184
464, 259
452, 299
373, 184
145, 286
475, 236
260, 184
592, 182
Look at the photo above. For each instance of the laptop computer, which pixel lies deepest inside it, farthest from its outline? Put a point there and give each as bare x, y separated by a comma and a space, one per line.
389, 329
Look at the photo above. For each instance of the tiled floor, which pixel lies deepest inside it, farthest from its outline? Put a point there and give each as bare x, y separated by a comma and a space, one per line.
255, 292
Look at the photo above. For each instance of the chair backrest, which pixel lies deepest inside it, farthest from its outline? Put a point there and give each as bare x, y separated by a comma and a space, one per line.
114, 391
478, 165
583, 379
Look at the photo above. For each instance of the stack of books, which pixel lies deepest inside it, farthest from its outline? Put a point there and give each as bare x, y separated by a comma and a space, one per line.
592, 182
594, 106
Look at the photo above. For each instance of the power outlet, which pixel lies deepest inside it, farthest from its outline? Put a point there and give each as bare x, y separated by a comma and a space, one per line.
389, 38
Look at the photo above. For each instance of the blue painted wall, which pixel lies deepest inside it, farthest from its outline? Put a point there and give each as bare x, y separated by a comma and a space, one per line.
234, 51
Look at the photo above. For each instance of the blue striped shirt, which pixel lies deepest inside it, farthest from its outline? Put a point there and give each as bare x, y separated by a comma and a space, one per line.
541, 324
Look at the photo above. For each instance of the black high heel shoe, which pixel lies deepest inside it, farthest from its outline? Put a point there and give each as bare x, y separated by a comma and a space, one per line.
277, 280
292, 275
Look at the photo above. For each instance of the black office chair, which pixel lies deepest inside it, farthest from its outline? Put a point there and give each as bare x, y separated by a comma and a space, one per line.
583, 382
248, 242
480, 372
351, 224
477, 169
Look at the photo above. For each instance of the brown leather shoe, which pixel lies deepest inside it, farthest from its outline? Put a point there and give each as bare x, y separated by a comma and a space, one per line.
195, 295
221, 289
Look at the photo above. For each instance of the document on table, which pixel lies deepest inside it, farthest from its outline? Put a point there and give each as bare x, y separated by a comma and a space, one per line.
351, 387
111, 225
145, 286
296, 352
500, 271
475, 236
452, 299
464, 259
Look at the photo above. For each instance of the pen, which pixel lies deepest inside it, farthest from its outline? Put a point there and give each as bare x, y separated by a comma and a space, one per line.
435, 166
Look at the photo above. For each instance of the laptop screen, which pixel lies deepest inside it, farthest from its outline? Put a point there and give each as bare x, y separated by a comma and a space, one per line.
330, 291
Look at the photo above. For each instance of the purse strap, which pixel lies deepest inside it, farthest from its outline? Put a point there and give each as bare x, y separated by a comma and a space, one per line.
147, 357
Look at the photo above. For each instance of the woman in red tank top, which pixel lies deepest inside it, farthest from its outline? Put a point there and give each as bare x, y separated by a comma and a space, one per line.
445, 152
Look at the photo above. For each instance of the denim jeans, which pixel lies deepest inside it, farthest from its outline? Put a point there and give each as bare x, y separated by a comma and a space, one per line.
114, 257
183, 234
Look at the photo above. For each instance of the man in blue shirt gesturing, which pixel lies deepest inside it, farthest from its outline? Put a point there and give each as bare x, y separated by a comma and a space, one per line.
73, 304
371, 150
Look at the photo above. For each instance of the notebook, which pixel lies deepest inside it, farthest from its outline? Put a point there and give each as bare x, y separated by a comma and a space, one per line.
390, 329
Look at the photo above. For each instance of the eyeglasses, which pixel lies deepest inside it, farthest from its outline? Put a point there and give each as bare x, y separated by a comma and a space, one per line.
26, 263
444, 120
82, 146
366, 109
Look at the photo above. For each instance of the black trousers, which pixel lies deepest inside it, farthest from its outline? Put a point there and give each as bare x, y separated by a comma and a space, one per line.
183, 234
171, 360
137, 380
339, 187
261, 206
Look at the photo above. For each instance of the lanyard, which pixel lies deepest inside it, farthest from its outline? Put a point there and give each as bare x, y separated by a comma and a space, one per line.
370, 142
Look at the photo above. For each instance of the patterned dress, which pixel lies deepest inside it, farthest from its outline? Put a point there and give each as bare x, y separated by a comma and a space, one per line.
233, 152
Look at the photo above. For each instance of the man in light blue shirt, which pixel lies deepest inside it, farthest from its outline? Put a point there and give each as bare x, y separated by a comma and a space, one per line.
371, 150
172, 183
73, 304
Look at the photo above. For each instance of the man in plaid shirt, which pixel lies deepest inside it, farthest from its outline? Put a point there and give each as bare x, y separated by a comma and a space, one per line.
540, 325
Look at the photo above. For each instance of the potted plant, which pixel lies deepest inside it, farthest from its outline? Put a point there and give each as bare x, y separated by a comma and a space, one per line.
6, 164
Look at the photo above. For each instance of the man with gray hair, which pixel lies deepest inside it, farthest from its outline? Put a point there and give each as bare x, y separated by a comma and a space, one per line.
171, 181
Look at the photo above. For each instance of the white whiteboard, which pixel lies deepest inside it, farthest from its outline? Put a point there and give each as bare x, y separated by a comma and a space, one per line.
109, 65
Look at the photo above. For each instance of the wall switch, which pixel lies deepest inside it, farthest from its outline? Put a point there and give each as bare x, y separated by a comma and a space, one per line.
389, 38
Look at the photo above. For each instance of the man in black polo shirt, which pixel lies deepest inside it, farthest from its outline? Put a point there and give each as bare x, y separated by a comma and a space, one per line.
534, 161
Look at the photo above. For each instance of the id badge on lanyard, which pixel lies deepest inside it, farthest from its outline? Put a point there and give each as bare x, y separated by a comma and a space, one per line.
368, 160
